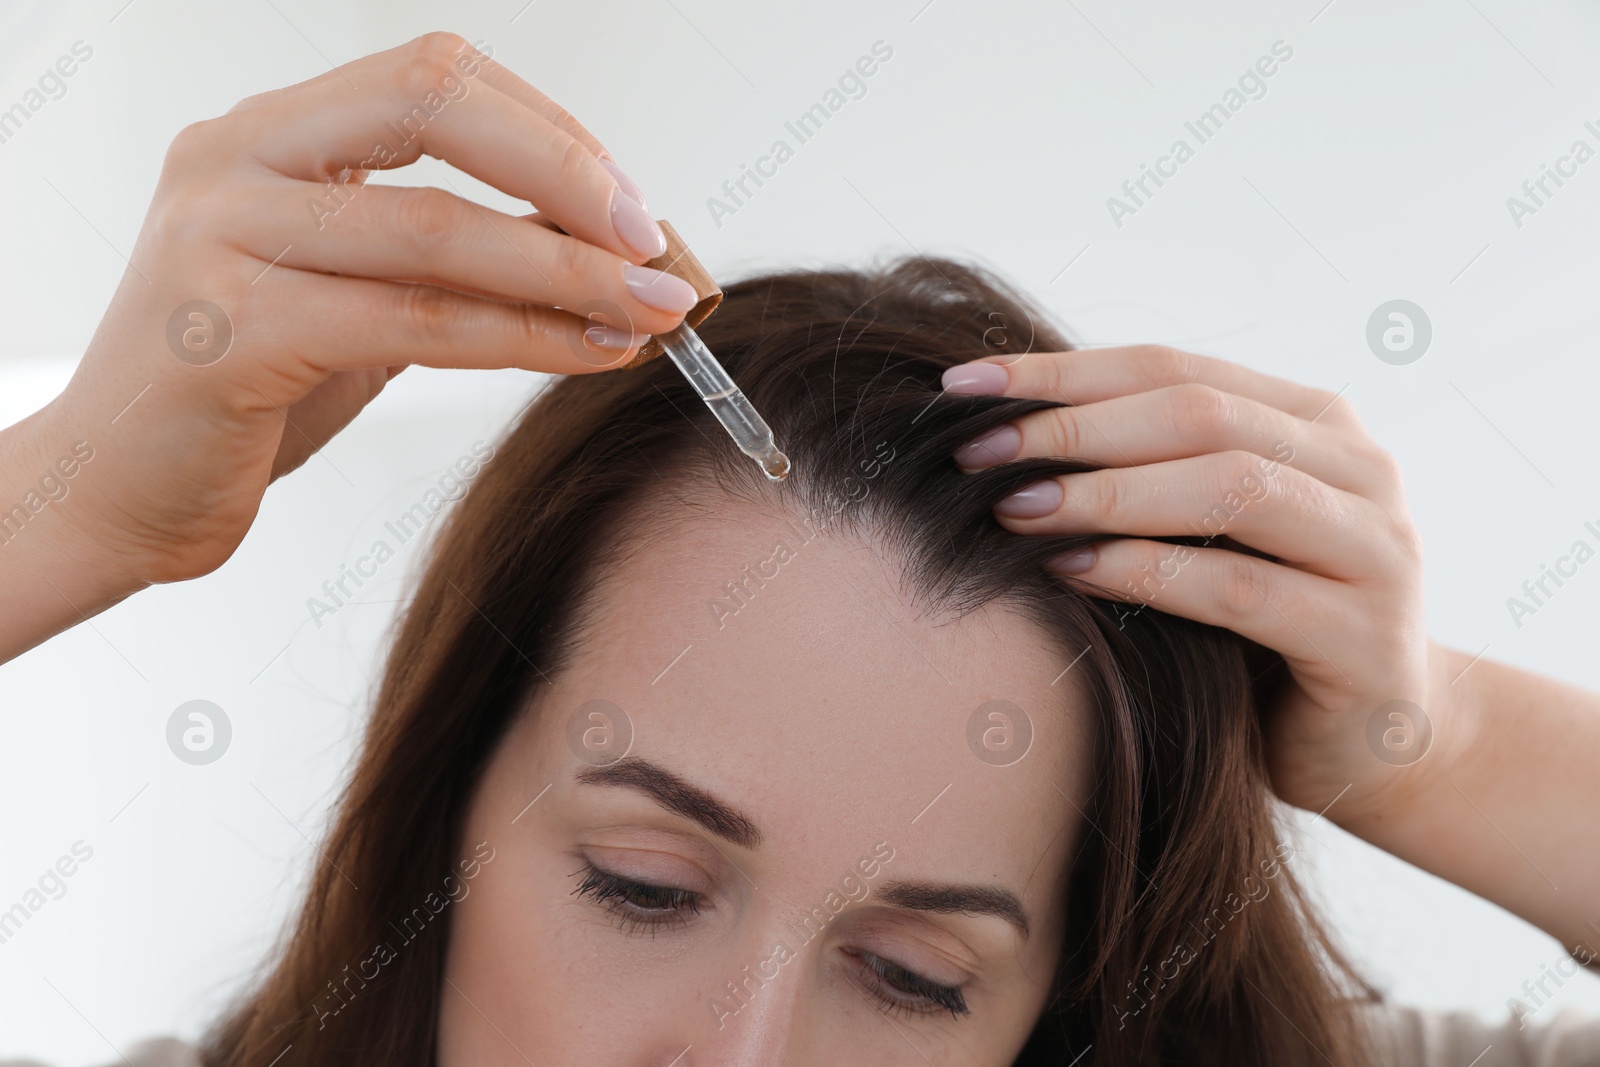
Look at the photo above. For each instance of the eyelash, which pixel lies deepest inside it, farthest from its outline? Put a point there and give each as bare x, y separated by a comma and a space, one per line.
933, 996
640, 906
637, 905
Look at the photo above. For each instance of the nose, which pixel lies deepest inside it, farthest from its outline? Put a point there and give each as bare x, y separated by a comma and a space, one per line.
755, 1022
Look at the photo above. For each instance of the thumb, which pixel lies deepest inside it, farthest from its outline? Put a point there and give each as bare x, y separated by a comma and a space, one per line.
312, 421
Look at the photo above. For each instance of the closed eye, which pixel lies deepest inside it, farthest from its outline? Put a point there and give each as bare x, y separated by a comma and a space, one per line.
902, 990
637, 906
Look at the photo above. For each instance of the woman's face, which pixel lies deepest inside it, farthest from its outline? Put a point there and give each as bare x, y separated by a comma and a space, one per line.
806, 837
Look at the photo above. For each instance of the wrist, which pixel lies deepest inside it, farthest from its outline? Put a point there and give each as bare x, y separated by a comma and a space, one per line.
1456, 685
52, 572
1410, 796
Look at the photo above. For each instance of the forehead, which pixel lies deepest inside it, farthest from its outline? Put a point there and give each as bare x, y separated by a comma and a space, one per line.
790, 672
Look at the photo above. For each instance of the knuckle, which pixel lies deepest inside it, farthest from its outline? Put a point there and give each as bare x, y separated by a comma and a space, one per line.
443, 43
1063, 435
1384, 465
428, 309
1334, 406
1240, 464
1240, 587
255, 100
427, 217
188, 220
189, 224
196, 143
560, 117
1409, 539
1051, 376
539, 330
577, 165
427, 61
1107, 499
570, 263
1198, 410
1239, 481
1159, 365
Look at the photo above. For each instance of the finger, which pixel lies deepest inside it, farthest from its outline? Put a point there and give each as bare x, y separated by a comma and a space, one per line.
513, 86
1178, 421
467, 59
540, 220
434, 236
1088, 375
424, 98
1258, 502
331, 324
525, 94
311, 423
1303, 616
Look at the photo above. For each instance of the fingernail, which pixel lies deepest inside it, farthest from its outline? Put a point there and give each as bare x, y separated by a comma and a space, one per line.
635, 226
623, 181
997, 446
1031, 501
1075, 562
609, 338
976, 377
659, 289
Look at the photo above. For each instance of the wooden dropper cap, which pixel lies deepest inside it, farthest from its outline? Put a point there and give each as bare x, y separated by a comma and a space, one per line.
678, 261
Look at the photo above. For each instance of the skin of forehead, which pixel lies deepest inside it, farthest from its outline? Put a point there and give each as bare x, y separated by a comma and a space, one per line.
823, 701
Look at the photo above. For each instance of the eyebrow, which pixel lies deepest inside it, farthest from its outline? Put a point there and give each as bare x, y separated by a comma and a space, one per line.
957, 899
727, 822
677, 796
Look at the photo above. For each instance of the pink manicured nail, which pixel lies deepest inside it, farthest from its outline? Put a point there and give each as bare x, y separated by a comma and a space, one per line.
659, 289
609, 338
997, 446
1031, 501
976, 377
623, 180
635, 226
1075, 562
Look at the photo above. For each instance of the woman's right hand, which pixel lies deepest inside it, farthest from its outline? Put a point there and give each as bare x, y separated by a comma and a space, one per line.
267, 301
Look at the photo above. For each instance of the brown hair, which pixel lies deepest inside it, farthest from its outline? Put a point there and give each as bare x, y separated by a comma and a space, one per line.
1170, 956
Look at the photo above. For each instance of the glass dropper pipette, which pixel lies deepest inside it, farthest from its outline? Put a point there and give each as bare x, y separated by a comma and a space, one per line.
747, 428
726, 401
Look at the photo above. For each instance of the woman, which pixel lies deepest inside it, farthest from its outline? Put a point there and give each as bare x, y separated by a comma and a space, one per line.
946, 749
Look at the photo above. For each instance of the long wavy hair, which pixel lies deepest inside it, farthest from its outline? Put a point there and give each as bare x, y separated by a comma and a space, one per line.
1188, 939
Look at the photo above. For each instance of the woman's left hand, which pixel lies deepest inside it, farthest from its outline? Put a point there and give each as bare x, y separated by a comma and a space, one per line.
1193, 445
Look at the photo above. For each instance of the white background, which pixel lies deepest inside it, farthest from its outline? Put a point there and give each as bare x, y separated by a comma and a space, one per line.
1376, 167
